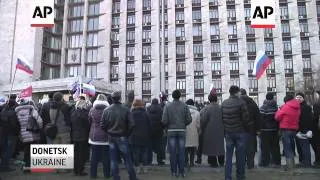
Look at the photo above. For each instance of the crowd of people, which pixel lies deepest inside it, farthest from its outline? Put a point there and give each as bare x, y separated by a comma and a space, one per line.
107, 131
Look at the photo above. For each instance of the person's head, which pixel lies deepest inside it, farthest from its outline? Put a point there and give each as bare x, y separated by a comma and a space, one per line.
155, 101
137, 103
109, 99
13, 97
288, 97
269, 96
82, 98
234, 91
190, 102
83, 104
57, 97
300, 97
101, 97
176, 94
50, 95
116, 97
163, 96
243, 92
71, 99
130, 96
316, 96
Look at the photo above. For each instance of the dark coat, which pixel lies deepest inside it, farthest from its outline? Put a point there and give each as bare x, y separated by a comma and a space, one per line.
176, 115
268, 111
80, 125
254, 114
9, 122
306, 118
95, 115
316, 116
212, 129
155, 116
140, 128
235, 115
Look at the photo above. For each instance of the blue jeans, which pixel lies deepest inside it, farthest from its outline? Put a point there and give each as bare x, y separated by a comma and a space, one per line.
236, 141
288, 137
140, 155
176, 142
100, 153
306, 152
8, 144
120, 146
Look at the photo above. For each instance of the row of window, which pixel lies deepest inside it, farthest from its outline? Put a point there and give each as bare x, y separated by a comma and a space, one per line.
75, 41
78, 11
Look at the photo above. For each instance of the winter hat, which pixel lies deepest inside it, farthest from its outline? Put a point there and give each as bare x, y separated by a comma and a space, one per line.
116, 96
213, 95
176, 94
300, 94
243, 92
234, 90
57, 97
288, 98
269, 96
155, 101
83, 104
190, 102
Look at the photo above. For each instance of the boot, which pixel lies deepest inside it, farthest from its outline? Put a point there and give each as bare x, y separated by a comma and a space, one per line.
290, 164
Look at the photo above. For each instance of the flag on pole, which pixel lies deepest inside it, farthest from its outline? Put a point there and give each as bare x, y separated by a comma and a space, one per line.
89, 89
260, 64
77, 92
26, 93
22, 65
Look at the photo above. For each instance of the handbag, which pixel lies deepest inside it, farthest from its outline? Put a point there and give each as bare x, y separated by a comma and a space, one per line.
51, 129
32, 123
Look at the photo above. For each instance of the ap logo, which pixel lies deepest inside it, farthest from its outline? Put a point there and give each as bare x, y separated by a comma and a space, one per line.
263, 13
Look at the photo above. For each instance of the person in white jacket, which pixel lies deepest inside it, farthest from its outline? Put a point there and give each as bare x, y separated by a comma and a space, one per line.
192, 134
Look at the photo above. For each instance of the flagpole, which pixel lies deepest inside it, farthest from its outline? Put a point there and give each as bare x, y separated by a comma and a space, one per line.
14, 77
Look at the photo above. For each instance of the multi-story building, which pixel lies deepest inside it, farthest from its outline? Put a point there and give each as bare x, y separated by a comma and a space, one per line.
206, 42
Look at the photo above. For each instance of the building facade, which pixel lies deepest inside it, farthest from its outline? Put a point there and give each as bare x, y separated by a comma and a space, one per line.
206, 42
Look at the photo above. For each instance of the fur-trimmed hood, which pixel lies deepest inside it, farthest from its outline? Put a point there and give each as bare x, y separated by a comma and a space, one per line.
100, 104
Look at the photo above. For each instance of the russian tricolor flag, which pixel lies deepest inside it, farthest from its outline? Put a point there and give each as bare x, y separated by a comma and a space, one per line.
260, 64
89, 89
22, 65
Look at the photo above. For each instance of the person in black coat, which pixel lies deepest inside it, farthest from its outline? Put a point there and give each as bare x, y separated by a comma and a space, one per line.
155, 116
140, 133
315, 141
254, 114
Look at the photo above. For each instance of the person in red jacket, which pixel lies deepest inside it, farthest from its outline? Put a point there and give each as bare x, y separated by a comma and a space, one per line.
288, 117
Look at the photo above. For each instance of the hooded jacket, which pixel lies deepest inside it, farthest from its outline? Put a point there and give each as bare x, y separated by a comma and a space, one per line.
97, 135
23, 114
140, 127
254, 114
80, 123
306, 121
193, 129
267, 118
288, 115
155, 116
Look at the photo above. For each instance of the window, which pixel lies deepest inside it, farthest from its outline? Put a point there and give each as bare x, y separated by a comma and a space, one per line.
166, 84
130, 69
130, 85
116, 21
75, 41
198, 66
247, 12
284, 11
306, 63
251, 47
181, 67
146, 67
196, 15
115, 52
308, 82
131, 4
271, 82
147, 3
114, 69
231, 13
249, 30
115, 36
93, 24
180, 31
197, 49
116, 7
94, 9
197, 30
180, 49
181, 84
290, 82
179, 2
318, 10
235, 82
196, 1
215, 47
76, 11
180, 15
250, 64
305, 46
92, 39
232, 29
73, 71
198, 84
75, 26
304, 27
146, 85
214, 30
216, 66
285, 28
146, 18
287, 45
146, 34
146, 50
302, 11
131, 20
268, 45
288, 63
91, 71
92, 55
130, 51
166, 50
267, 32
233, 47
130, 35
217, 84
214, 14
253, 83
234, 65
